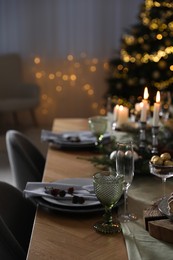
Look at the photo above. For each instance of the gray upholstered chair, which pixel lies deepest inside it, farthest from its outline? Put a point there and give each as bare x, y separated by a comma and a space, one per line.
15, 93
16, 221
26, 161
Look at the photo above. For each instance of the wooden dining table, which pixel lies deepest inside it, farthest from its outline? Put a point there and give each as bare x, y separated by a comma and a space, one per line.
58, 235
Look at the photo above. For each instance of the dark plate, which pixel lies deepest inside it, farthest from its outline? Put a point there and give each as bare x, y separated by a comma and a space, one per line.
76, 210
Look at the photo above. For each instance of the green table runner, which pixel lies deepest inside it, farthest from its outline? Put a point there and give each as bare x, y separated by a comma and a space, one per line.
140, 245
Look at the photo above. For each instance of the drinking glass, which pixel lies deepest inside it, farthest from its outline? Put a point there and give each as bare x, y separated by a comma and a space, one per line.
108, 187
125, 168
162, 172
98, 126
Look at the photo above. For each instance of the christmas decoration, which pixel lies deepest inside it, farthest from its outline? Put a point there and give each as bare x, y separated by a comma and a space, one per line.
146, 54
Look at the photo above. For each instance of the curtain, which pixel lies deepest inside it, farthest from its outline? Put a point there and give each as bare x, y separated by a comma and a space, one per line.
89, 30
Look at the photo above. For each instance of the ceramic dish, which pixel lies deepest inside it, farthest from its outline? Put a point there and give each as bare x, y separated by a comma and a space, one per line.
163, 207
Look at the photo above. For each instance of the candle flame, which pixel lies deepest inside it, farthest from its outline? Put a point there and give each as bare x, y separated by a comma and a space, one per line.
146, 94
121, 107
116, 108
158, 97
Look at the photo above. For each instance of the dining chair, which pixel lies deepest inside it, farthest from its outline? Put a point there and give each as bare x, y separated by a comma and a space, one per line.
16, 221
16, 94
26, 161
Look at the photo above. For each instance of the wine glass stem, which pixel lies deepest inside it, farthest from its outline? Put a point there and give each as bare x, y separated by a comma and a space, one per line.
108, 216
164, 186
125, 201
99, 141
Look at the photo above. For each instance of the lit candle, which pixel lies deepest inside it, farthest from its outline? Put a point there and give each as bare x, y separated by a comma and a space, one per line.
116, 108
123, 114
156, 110
144, 105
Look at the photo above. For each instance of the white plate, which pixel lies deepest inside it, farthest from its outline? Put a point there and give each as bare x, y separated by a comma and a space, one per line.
73, 210
68, 203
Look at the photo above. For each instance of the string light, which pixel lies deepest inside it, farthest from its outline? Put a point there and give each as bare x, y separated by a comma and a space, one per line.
65, 77
36, 60
90, 92
58, 73
72, 72
148, 57
70, 57
51, 76
102, 111
38, 75
73, 77
163, 84
151, 3
86, 87
93, 68
58, 88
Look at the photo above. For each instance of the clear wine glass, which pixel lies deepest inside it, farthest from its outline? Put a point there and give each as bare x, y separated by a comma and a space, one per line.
163, 172
108, 187
125, 168
98, 126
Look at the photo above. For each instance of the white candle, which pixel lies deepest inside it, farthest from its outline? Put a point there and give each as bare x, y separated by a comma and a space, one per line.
144, 106
138, 107
116, 108
156, 110
123, 115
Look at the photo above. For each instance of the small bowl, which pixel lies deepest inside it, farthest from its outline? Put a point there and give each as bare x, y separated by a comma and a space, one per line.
161, 170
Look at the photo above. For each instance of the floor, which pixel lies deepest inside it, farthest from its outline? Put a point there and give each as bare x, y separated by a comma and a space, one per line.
33, 133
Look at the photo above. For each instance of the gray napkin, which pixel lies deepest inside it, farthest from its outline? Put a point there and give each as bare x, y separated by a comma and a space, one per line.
35, 189
78, 136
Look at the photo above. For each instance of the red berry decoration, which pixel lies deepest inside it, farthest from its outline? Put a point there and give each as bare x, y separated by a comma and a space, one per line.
54, 192
62, 193
70, 190
75, 199
81, 200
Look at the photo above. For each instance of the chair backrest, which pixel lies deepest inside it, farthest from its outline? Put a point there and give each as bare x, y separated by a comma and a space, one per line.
16, 221
26, 161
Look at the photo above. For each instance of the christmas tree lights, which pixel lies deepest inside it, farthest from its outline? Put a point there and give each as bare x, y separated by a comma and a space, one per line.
146, 54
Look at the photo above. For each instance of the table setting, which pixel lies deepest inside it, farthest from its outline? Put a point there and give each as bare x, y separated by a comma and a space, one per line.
72, 140
74, 195
115, 173
104, 140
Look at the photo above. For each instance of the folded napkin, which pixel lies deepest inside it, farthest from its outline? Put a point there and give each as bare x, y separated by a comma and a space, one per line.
38, 189
76, 137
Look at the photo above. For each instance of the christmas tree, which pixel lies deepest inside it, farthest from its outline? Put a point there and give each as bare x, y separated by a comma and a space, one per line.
146, 54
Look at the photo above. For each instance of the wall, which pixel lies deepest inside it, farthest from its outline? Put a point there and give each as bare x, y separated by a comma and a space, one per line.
45, 33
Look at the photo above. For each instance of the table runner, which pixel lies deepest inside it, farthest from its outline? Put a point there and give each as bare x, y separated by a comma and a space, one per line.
140, 245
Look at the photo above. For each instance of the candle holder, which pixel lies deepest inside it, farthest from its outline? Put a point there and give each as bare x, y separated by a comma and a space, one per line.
115, 126
155, 132
142, 136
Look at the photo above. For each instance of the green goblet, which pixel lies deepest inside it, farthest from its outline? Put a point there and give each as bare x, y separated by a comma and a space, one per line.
108, 188
98, 126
